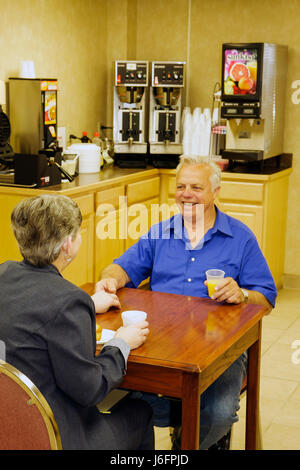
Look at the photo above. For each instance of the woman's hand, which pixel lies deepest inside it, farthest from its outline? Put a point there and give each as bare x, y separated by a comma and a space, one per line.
104, 301
134, 335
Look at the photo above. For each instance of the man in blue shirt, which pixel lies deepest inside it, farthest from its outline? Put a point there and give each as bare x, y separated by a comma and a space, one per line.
176, 253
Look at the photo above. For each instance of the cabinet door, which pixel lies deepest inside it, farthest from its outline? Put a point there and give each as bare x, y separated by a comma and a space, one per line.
250, 215
109, 239
141, 217
9, 249
109, 227
168, 204
80, 270
143, 208
143, 190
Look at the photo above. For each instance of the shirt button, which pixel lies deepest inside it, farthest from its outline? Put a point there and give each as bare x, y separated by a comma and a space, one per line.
189, 279
192, 259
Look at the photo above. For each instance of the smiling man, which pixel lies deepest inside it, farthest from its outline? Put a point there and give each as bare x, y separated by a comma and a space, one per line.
197, 187
175, 254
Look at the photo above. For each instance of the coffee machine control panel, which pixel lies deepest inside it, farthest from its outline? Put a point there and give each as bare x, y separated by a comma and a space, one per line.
131, 73
168, 74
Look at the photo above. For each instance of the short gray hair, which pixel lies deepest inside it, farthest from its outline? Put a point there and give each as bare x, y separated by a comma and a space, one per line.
215, 178
42, 223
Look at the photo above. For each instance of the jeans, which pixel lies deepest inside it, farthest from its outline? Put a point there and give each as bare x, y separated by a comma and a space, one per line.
218, 408
129, 427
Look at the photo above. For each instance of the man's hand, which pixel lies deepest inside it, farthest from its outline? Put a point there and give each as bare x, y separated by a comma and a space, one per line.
228, 290
109, 285
134, 335
104, 301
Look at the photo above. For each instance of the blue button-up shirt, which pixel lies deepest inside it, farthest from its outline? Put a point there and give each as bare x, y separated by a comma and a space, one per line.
165, 254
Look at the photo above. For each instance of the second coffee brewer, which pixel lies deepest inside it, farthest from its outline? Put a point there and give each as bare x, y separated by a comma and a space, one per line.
165, 138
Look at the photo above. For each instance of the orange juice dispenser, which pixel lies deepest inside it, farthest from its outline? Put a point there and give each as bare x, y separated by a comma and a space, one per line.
33, 114
253, 98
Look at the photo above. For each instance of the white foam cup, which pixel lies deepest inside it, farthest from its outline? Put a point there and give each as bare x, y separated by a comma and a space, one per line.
27, 69
130, 317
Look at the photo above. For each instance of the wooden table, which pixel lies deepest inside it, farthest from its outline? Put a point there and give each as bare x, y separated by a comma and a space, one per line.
192, 341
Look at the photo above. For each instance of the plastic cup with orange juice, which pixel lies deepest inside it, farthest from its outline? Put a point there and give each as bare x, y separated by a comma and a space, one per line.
213, 277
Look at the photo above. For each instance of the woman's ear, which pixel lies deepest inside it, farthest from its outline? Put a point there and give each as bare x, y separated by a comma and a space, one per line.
67, 244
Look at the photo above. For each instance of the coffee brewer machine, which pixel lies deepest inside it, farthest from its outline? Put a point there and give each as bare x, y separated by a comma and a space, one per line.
129, 131
253, 96
33, 118
165, 138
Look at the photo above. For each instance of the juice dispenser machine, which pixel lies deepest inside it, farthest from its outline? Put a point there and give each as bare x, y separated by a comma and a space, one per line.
253, 97
167, 84
129, 131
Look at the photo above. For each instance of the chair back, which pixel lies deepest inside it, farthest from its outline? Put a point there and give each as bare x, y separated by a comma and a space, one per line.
26, 419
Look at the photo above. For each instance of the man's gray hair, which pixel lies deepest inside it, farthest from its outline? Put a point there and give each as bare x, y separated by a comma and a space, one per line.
215, 178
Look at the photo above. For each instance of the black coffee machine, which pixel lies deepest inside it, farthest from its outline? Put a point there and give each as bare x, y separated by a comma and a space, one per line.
6, 152
33, 155
41, 169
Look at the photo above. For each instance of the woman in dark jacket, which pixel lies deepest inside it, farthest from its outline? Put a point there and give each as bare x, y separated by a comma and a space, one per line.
49, 330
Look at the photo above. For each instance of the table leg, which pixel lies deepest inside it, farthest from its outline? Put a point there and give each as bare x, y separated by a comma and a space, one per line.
190, 412
253, 440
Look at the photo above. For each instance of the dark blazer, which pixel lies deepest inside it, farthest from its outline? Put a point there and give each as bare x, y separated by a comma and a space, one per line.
48, 326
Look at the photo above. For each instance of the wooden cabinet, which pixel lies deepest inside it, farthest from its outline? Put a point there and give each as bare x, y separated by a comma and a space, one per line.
244, 201
143, 202
167, 194
260, 201
81, 270
9, 249
122, 215
249, 214
110, 227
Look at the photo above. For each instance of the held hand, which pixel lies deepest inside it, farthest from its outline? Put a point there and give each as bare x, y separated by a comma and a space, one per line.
228, 291
103, 301
134, 335
108, 285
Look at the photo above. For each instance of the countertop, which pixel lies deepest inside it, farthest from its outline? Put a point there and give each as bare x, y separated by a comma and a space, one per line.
112, 175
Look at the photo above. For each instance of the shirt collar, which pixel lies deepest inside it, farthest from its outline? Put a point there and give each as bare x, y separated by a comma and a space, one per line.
175, 223
222, 223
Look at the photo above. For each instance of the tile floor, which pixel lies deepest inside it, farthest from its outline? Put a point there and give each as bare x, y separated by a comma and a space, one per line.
280, 381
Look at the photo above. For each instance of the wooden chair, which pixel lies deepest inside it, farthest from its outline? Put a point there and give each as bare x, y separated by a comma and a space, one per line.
26, 420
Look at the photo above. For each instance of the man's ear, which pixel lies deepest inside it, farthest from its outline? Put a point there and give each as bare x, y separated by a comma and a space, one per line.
216, 192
